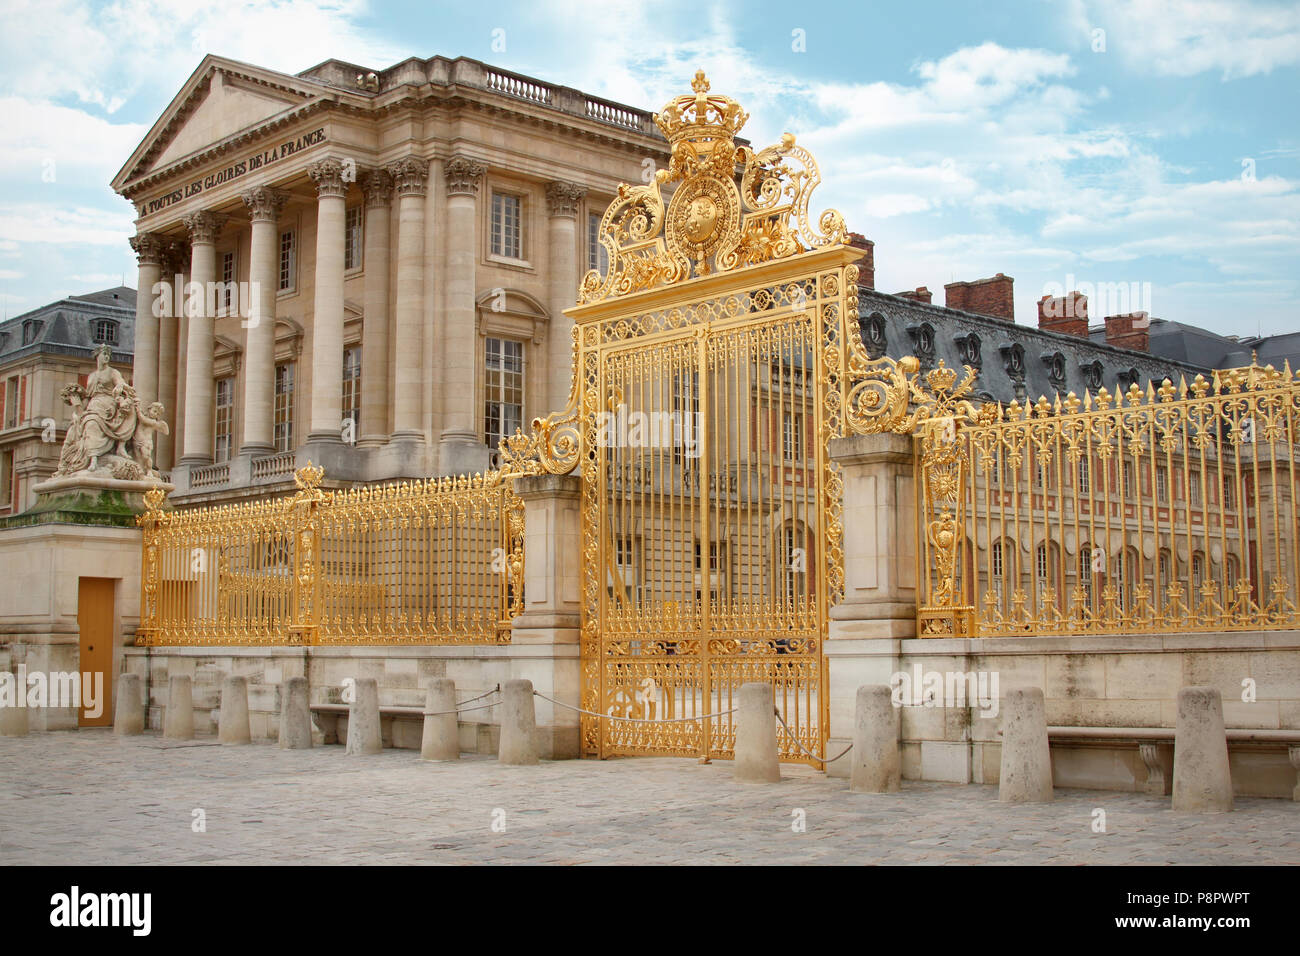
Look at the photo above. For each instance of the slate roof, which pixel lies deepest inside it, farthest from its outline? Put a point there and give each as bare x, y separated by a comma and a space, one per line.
67, 327
1015, 361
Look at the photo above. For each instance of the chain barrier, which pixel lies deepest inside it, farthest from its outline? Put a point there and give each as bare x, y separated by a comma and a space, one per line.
634, 720
462, 709
790, 734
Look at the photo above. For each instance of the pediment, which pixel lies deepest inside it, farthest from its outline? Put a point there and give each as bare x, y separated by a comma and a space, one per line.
221, 99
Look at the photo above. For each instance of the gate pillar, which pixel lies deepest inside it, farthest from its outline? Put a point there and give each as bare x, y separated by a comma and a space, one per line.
545, 636
878, 612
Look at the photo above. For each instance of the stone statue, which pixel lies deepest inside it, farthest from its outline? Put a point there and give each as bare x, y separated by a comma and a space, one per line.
110, 435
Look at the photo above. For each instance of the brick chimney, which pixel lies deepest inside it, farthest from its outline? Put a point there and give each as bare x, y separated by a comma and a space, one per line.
922, 294
867, 264
984, 296
1131, 331
1064, 313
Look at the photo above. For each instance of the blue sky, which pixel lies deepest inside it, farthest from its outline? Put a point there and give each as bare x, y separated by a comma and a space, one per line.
964, 138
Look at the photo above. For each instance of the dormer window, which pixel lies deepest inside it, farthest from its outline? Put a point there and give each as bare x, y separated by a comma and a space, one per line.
31, 331
105, 332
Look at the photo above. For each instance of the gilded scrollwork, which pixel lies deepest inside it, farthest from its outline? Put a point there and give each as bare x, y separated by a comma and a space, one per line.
710, 224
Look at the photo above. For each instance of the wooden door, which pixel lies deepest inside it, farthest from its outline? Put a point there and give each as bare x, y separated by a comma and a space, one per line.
95, 616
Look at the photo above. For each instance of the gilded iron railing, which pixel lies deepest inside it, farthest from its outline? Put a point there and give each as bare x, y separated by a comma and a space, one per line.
1173, 508
438, 561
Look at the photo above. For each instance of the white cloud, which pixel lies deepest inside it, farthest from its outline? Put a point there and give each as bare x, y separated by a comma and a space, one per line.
1237, 38
47, 145
104, 55
10, 274
895, 204
48, 223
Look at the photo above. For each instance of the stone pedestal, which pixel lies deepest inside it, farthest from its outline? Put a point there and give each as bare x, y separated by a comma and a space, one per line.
544, 645
879, 606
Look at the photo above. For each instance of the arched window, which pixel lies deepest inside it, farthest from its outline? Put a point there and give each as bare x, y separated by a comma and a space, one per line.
1084, 572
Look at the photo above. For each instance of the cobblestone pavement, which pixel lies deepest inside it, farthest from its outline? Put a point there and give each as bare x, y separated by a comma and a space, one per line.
91, 798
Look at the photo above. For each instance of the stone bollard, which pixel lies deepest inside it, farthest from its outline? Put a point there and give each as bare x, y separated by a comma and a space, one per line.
13, 718
756, 757
232, 728
178, 718
518, 724
1026, 774
1202, 780
128, 713
295, 715
363, 719
875, 766
441, 739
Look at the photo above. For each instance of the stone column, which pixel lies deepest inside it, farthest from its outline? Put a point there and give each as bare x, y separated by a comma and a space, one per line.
172, 331
203, 227
563, 200
327, 315
148, 250
410, 178
878, 610
461, 449
378, 188
264, 205
545, 636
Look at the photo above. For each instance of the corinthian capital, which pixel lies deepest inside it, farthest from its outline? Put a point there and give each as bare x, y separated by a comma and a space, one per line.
409, 175
330, 177
463, 176
204, 225
562, 198
264, 203
149, 248
378, 187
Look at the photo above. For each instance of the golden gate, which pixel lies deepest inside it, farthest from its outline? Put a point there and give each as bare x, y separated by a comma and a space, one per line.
709, 374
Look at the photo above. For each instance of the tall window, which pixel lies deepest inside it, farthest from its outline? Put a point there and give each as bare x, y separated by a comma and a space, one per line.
597, 257
223, 421
288, 260
11, 402
6, 478
1162, 484
1194, 487
1085, 474
1166, 560
503, 390
352, 239
795, 556
352, 388
507, 228
1229, 492
284, 407
1198, 571
1128, 479
227, 281
792, 436
997, 557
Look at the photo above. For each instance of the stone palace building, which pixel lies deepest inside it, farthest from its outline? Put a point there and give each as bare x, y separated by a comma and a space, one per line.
377, 263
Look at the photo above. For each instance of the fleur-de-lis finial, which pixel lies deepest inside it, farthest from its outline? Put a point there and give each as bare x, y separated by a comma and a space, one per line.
701, 83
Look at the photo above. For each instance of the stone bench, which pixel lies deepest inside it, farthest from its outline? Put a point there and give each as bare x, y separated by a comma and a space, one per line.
1156, 748
402, 727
